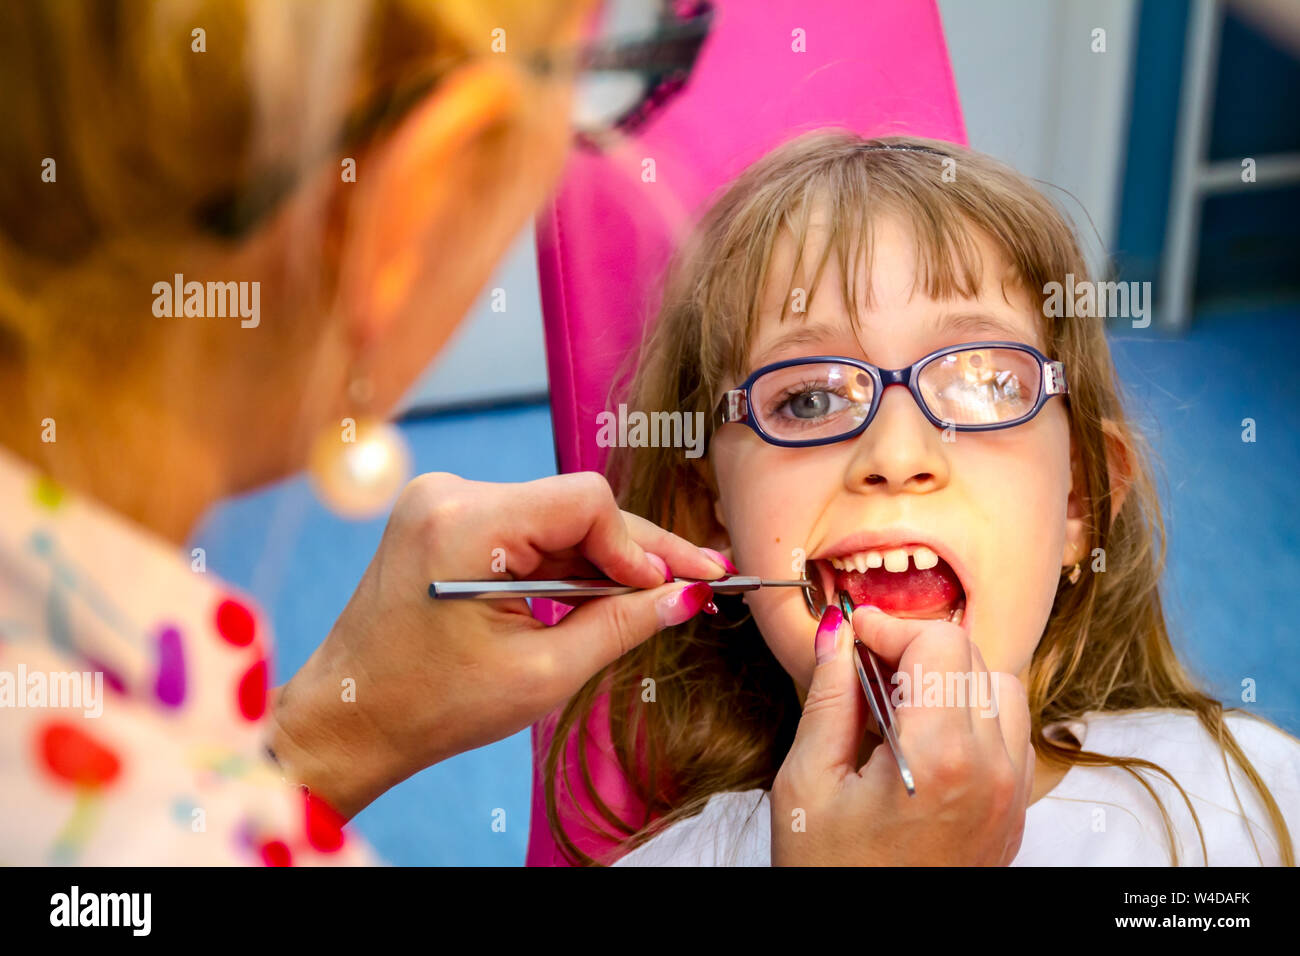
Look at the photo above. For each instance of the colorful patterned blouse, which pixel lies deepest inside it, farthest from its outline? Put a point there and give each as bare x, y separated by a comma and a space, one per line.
133, 697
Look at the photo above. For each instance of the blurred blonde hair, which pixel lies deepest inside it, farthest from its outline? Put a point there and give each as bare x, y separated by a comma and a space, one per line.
729, 713
145, 131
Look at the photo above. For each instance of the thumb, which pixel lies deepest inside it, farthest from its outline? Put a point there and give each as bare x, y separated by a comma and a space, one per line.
834, 719
603, 630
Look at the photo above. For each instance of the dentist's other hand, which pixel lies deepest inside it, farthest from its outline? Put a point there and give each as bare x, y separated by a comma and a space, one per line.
973, 771
435, 678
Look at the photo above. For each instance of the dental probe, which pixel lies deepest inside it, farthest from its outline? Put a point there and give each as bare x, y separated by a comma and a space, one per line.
585, 587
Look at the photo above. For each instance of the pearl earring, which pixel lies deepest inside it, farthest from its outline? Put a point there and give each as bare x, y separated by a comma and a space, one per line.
357, 470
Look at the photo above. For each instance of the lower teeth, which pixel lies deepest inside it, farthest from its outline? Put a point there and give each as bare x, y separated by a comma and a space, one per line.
957, 614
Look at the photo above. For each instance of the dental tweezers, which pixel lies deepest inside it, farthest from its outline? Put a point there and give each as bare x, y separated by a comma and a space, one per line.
882, 710
584, 587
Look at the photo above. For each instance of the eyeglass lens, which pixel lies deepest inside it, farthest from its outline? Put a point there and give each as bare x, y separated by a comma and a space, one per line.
827, 399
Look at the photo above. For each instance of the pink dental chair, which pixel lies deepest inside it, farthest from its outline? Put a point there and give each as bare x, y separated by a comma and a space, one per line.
879, 67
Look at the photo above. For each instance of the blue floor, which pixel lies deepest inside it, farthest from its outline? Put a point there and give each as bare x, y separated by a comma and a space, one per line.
1230, 507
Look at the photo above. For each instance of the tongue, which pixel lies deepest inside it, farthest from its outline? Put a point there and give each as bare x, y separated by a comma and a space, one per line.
929, 593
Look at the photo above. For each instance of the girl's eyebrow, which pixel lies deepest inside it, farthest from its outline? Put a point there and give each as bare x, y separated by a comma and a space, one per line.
963, 323
803, 335
978, 323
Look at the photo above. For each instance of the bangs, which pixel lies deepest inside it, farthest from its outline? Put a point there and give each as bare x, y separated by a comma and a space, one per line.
823, 195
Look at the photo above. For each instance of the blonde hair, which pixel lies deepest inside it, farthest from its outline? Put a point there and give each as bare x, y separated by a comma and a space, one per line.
729, 719
146, 130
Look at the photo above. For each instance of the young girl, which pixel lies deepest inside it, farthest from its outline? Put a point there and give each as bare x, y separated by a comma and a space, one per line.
1007, 495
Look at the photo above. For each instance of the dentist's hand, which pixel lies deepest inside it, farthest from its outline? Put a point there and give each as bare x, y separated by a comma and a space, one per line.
973, 771
435, 678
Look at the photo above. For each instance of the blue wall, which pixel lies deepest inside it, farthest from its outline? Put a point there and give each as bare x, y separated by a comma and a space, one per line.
1250, 240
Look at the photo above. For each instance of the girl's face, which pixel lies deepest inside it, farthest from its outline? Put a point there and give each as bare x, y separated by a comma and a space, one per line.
992, 505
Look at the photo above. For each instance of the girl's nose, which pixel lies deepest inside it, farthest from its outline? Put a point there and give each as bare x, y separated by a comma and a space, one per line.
900, 451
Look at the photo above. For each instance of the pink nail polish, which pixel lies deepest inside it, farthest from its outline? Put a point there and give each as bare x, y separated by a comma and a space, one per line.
824, 646
684, 604
661, 566
722, 559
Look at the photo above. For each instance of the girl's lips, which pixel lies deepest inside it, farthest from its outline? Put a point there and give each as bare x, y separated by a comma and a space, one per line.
925, 593
884, 540
905, 580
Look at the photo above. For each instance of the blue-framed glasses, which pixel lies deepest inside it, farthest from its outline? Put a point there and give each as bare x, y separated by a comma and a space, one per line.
975, 387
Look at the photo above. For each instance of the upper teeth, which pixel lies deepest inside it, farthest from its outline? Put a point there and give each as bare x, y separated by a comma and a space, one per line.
893, 559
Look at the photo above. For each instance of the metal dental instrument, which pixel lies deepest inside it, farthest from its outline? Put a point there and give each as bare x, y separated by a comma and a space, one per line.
882, 710
584, 588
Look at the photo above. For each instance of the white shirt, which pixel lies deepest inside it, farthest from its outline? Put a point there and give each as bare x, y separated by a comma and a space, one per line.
1095, 816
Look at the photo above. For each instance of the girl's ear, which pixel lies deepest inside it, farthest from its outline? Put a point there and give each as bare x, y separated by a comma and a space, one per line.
1119, 466
719, 536
713, 525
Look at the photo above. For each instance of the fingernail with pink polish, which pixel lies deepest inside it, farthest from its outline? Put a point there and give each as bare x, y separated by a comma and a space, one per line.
684, 604
722, 559
826, 631
661, 566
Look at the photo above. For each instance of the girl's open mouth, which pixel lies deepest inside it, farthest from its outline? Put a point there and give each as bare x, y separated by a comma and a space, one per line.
909, 581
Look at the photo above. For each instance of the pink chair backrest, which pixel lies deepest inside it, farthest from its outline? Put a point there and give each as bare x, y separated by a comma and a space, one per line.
768, 71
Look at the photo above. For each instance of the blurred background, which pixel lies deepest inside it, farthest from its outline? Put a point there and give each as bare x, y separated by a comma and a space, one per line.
1142, 143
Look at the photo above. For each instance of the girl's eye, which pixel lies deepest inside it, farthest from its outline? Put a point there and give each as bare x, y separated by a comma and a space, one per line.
810, 403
